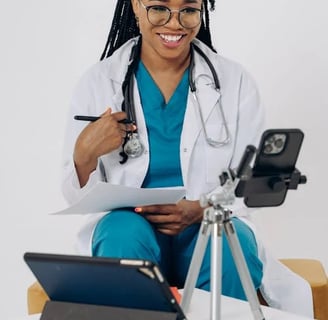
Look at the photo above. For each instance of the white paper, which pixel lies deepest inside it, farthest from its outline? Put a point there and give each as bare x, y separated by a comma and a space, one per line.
105, 197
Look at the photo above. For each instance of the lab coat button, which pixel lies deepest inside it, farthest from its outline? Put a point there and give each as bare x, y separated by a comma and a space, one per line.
185, 150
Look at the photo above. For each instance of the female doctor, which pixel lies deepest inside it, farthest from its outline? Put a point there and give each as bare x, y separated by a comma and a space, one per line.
190, 113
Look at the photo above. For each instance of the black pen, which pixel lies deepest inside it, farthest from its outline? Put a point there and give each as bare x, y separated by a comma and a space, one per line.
92, 118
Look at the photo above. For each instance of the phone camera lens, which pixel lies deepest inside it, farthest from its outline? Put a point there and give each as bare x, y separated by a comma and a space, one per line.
268, 148
270, 139
279, 143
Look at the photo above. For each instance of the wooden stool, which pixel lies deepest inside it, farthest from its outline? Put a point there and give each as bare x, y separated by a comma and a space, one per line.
313, 271
36, 298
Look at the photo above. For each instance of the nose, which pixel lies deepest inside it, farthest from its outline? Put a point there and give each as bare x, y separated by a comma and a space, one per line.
174, 20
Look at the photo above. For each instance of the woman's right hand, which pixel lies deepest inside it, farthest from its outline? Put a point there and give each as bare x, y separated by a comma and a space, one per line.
96, 139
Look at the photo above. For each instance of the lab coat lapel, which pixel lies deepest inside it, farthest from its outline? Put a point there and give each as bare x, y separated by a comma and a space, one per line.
118, 67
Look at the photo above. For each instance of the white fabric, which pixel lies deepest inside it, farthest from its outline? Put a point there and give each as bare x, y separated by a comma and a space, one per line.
281, 288
231, 309
201, 164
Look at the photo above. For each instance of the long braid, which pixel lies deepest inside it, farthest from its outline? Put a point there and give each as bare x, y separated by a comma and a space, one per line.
126, 87
134, 60
204, 33
123, 28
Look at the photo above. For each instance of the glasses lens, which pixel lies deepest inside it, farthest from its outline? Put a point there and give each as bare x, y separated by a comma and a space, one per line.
190, 17
158, 15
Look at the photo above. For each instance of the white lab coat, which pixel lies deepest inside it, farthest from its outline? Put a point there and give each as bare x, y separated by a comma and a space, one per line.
201, 164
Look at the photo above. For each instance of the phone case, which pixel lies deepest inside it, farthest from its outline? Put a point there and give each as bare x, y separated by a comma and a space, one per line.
274, 166
272, 159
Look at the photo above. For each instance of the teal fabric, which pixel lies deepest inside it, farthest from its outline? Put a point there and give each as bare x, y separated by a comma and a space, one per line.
125, 234
164, 123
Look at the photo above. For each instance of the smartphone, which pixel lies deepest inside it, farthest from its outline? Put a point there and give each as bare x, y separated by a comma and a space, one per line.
274, 171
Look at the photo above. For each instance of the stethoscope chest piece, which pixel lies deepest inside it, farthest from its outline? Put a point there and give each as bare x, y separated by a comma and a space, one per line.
133, 147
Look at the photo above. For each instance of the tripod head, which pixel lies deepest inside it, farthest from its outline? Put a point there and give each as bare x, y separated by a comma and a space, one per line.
229, 180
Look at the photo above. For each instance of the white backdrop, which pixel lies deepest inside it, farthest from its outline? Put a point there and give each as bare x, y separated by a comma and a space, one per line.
46, 46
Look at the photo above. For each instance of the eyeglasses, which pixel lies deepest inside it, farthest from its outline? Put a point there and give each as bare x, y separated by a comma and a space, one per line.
188, 17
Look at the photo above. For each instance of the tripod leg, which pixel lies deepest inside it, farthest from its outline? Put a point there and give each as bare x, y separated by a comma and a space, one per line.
216, 266
196, 261
242, 269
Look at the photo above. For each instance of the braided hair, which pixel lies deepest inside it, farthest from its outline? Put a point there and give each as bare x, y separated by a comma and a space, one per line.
124, 27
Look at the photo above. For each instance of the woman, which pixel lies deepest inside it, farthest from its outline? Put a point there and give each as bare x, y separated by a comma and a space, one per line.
186, 139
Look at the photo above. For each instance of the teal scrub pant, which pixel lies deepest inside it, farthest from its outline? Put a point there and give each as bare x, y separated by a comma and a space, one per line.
125, 234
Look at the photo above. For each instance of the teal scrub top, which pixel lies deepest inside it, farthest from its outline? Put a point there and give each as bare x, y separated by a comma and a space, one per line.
164, 123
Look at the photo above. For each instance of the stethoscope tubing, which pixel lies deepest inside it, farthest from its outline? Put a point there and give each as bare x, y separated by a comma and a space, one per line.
192, 83
129, 107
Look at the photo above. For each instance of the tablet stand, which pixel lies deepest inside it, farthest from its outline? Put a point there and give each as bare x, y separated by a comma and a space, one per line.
216, 219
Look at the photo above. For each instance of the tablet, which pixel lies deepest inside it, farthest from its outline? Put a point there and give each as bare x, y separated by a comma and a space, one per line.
124, 283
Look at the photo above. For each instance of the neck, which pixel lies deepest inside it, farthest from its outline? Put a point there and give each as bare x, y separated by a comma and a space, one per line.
166, 72
161, 64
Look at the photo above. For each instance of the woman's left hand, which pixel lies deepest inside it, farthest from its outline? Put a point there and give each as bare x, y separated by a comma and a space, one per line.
171, 219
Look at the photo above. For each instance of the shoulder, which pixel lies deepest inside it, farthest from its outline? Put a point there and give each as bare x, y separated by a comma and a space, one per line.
112, 68
227, 69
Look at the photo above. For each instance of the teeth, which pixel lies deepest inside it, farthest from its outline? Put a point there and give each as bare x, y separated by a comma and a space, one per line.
170, 38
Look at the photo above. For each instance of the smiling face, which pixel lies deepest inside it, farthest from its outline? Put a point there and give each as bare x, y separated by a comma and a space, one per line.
171, 41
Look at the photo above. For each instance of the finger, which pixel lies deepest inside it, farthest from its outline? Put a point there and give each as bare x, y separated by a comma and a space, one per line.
107, 112
130, 127
169, 232
127, 127
156, 209
119, 116
123, 133
161, 219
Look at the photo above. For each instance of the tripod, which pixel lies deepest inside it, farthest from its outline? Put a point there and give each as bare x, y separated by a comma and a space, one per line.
216, 220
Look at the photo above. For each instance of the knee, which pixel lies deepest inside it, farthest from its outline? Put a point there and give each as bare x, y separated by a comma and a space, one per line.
123, 234
122, 225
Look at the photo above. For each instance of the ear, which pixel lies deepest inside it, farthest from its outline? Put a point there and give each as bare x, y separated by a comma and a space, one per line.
135, 7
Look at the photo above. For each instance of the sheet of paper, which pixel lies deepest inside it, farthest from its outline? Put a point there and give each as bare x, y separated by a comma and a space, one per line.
105, 197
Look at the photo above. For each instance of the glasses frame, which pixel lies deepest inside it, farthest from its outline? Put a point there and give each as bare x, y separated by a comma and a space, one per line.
171, 11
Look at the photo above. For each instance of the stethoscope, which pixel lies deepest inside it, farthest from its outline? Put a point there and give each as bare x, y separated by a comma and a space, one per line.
134, 148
